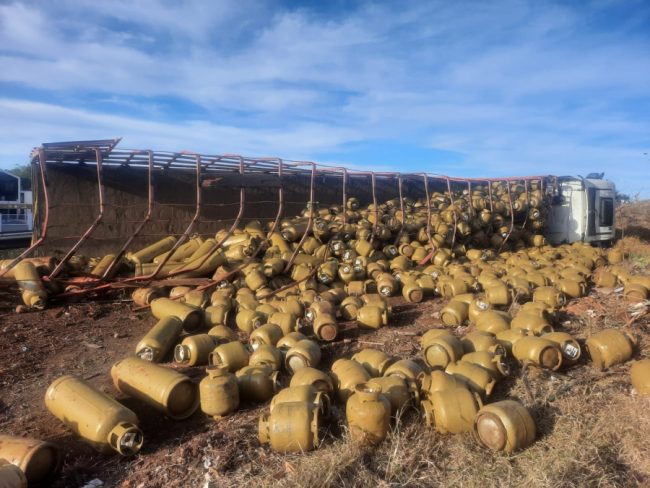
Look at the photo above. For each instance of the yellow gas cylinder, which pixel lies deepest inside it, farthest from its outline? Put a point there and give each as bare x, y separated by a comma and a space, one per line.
196, 298
531, 323
286, 321
451, 411
509, 337
614, 256
406, 369
644, 281
291, 427
372, 317
266, 355
640, 376
164, 389
346, 375
222, 297
155, 345
233, 355
40, 461
222, 334
266, 334
439, 380
493, 321
305, 353
320, 380
257, 383
412, 292
572, 288
248, 320
194, 350
144, 296
570, 348
635, 292
477, 307
302, 393
549, 295
183, 251
368, 415
349, 308
455, 313
286, 342
376, 300
498, 293
538, 351
504, 426
478, 379
374, 360
202, 266
34, 294
427, 283
219, 392
451, 287
386, 284
396, 391
97, 418
493, 362
255, 279
604, 279
191, 317
325, 327
147, 254
178, 293
319, 307
440, 350
216, 315
478, 340
610, 347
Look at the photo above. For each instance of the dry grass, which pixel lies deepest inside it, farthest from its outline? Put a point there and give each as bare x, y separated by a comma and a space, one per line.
593, 433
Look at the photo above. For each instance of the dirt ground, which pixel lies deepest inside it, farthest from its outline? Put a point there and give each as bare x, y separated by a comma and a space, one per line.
593, 430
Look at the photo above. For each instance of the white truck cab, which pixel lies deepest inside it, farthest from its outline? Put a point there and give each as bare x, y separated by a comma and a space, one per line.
582, 210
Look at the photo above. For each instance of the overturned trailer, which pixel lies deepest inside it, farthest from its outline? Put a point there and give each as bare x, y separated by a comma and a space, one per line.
95, 199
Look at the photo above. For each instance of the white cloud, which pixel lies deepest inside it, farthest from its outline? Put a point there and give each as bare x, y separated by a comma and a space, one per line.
30, 123
517, 85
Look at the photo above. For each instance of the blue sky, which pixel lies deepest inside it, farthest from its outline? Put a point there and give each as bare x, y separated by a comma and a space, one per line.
461, 88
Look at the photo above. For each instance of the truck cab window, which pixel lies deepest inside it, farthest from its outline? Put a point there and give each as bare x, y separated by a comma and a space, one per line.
606, 212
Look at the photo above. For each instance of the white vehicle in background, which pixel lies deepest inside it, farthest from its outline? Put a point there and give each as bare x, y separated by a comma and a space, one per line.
582, 210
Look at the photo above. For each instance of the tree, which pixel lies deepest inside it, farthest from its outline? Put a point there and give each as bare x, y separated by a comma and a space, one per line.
22, 170
622, 197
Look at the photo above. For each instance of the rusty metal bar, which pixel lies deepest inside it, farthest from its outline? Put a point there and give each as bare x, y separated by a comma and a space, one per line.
278, 216
452, 203
147, 217
401, 207
186, 233
374, 204
512, 220
345, 196
217, 245
93, 226
523, 225
310, 222
428, 197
